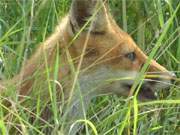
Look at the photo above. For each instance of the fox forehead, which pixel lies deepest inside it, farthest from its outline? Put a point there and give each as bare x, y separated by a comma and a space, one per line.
112, 38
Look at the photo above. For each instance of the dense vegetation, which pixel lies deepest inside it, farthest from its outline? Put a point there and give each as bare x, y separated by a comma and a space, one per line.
26, 23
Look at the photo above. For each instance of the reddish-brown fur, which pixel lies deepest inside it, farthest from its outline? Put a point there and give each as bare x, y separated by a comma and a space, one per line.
107, 47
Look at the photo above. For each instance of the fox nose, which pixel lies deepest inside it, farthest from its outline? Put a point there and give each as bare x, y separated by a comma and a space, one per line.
173, 74
173, 77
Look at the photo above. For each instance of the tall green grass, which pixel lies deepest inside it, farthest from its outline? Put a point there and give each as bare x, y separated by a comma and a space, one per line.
154, 24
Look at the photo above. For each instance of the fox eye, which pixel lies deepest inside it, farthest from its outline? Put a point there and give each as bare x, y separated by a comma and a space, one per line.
131, 56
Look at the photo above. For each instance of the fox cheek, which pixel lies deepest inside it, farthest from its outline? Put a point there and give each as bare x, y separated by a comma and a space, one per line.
138, 65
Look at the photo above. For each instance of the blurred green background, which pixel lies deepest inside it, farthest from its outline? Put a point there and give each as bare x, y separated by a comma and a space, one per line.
24, 24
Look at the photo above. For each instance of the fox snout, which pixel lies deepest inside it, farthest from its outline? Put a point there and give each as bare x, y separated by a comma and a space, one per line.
158, 72
153, 82
156, 78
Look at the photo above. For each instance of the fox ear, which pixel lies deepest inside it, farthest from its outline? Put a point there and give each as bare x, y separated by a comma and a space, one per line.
82, 10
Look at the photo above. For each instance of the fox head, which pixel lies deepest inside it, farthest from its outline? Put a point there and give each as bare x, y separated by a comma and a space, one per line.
109, 52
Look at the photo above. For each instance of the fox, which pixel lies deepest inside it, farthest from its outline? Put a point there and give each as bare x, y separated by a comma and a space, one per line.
90, 50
